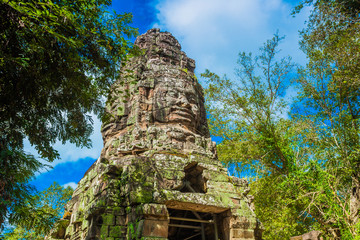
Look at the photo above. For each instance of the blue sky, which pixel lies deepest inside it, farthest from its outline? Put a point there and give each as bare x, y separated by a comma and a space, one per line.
212, 32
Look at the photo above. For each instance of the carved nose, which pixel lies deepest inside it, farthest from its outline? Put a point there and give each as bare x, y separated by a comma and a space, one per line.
184, 102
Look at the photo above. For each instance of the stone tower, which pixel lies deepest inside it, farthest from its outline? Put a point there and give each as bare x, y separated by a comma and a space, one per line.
158, 176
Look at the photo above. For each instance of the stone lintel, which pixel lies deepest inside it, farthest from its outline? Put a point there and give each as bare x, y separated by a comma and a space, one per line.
189, 206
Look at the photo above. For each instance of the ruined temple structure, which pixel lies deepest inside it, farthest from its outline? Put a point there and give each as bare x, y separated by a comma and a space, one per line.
158, 176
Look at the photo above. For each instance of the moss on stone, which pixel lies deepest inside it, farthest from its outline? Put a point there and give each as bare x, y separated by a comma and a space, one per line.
141, 196
225, 199
245, 210
222, 186
128, 209
108, 219
120, 111
131, 120
118, 211
185, 70
104, 231
116, 143
101, 203
215, 176
85, 224
116, 231
172, 174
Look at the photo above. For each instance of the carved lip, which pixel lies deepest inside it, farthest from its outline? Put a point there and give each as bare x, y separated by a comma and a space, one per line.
184, 113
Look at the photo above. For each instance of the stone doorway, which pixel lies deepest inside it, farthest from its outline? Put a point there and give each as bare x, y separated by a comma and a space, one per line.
191, 225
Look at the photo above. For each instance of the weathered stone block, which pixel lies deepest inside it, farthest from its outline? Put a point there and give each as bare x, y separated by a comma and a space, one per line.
104, 231
158, 210
215, 176
121, 220
239, 182
243, 234
155, 228
119, 211
117, 231
141, 195
108, 219
221, 186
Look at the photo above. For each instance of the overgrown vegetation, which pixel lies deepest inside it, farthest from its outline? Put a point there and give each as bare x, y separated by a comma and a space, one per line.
303, 156
39, 213
57, 59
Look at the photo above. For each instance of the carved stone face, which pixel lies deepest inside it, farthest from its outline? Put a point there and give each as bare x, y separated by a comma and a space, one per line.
167, 93
177, 104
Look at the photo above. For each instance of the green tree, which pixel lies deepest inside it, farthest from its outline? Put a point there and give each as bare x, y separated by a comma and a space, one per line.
333, 140
300, 159
40, 213
250, 114
249, 109
330, 89
57, 60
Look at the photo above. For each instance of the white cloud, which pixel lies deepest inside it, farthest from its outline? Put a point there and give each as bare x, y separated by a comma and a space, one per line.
214, 31
71, 184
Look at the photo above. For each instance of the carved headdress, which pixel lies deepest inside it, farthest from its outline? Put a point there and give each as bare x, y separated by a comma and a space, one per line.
158, 102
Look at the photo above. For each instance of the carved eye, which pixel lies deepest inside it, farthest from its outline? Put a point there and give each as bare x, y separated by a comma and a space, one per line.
191, 98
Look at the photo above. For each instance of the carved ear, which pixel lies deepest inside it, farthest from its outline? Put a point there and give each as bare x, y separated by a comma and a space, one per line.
159, 112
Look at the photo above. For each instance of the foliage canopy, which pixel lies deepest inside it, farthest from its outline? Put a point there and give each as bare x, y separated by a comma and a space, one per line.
57, 60
305, 163
249, 115
40, 212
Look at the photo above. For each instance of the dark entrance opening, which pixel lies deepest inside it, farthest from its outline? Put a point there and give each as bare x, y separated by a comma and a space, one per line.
194, 181
191, 225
